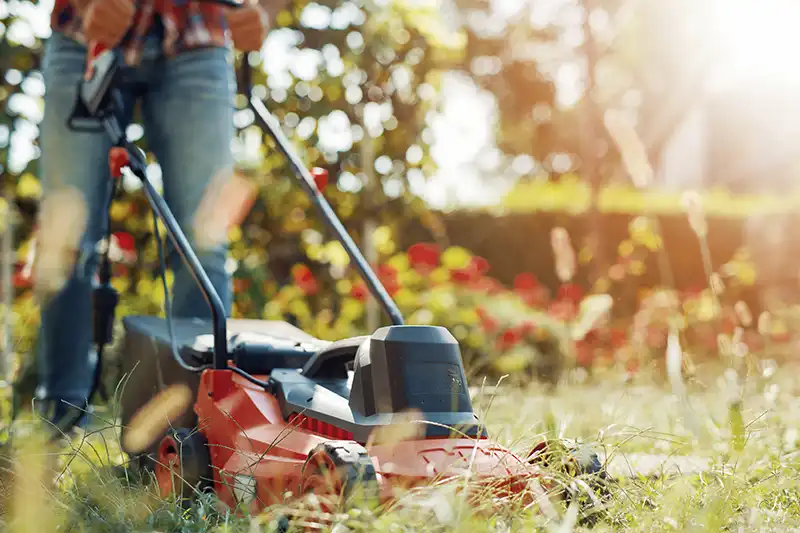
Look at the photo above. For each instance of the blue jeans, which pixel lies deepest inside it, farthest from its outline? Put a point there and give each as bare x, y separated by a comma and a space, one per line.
187, 112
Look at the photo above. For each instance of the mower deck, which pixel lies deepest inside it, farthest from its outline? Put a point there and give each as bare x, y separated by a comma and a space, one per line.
276, 409
319, 399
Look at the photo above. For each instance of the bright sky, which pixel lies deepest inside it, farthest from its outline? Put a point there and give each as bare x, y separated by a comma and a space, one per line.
462, 142
757, 38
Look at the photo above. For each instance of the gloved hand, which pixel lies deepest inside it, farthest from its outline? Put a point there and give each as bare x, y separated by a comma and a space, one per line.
107, 21
249, 26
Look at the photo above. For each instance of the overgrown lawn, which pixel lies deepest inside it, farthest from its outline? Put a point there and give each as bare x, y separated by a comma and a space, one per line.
636, 426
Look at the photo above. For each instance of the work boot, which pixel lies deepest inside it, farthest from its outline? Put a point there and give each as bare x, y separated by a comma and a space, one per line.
62, 418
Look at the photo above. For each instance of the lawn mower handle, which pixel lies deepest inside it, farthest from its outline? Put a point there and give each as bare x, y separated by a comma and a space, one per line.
98, 101
270, 125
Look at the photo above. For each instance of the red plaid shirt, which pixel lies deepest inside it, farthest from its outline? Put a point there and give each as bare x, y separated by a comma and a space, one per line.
183, 24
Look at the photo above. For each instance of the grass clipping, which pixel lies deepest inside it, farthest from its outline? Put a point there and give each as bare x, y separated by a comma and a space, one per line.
154, 418
31, 490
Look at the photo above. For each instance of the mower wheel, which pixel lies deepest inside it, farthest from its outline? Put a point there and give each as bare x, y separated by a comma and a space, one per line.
183, 464
570, 458
589, 483
342, 470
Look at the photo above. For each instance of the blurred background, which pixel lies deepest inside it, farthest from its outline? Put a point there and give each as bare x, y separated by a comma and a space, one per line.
561, 183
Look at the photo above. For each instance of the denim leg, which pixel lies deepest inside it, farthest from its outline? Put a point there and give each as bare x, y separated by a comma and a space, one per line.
188, 117
76, 160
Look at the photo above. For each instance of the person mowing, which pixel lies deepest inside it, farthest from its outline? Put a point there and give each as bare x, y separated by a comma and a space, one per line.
178, 67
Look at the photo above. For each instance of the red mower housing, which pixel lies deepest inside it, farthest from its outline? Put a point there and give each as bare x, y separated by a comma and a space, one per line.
310, 422
275, 409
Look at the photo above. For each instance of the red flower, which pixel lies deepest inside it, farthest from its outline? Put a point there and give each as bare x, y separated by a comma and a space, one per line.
304, 278
508, 339
571, 292
388, 278
240, 285
563, 310
424, 256
120, 271
462, 276
488, 323
386, 272
125, 241
530, 290
480, 265
490, 285
592, 337
359, 291
391, 287
527, 327
618, 338
472, 273
584, 354
21, 280
536, 298
525, 282
125, 244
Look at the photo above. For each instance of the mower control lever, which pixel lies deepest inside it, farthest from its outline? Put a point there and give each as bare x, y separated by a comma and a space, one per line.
101, 70
95, 97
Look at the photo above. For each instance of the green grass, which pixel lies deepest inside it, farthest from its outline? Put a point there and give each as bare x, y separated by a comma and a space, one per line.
754, 489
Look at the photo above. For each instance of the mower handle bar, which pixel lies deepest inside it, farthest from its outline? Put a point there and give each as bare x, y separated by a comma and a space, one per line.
270, 125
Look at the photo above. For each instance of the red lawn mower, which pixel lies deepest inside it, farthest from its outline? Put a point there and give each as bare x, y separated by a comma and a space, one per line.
276, 409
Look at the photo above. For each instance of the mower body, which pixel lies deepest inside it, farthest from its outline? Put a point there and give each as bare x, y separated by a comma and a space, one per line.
274, 407
262, 439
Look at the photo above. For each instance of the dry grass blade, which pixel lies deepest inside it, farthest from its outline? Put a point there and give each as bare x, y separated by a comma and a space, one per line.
224, 205
675, 363
631, 147
32, 508
695, 211
406, 427
743, 314
592, 310
62, 222
764, 324
564, 254
155, 417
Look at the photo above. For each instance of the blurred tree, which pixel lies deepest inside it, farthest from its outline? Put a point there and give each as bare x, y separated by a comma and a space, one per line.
540, 61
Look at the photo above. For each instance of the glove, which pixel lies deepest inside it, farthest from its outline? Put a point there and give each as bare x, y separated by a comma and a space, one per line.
107, 21
249, 26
